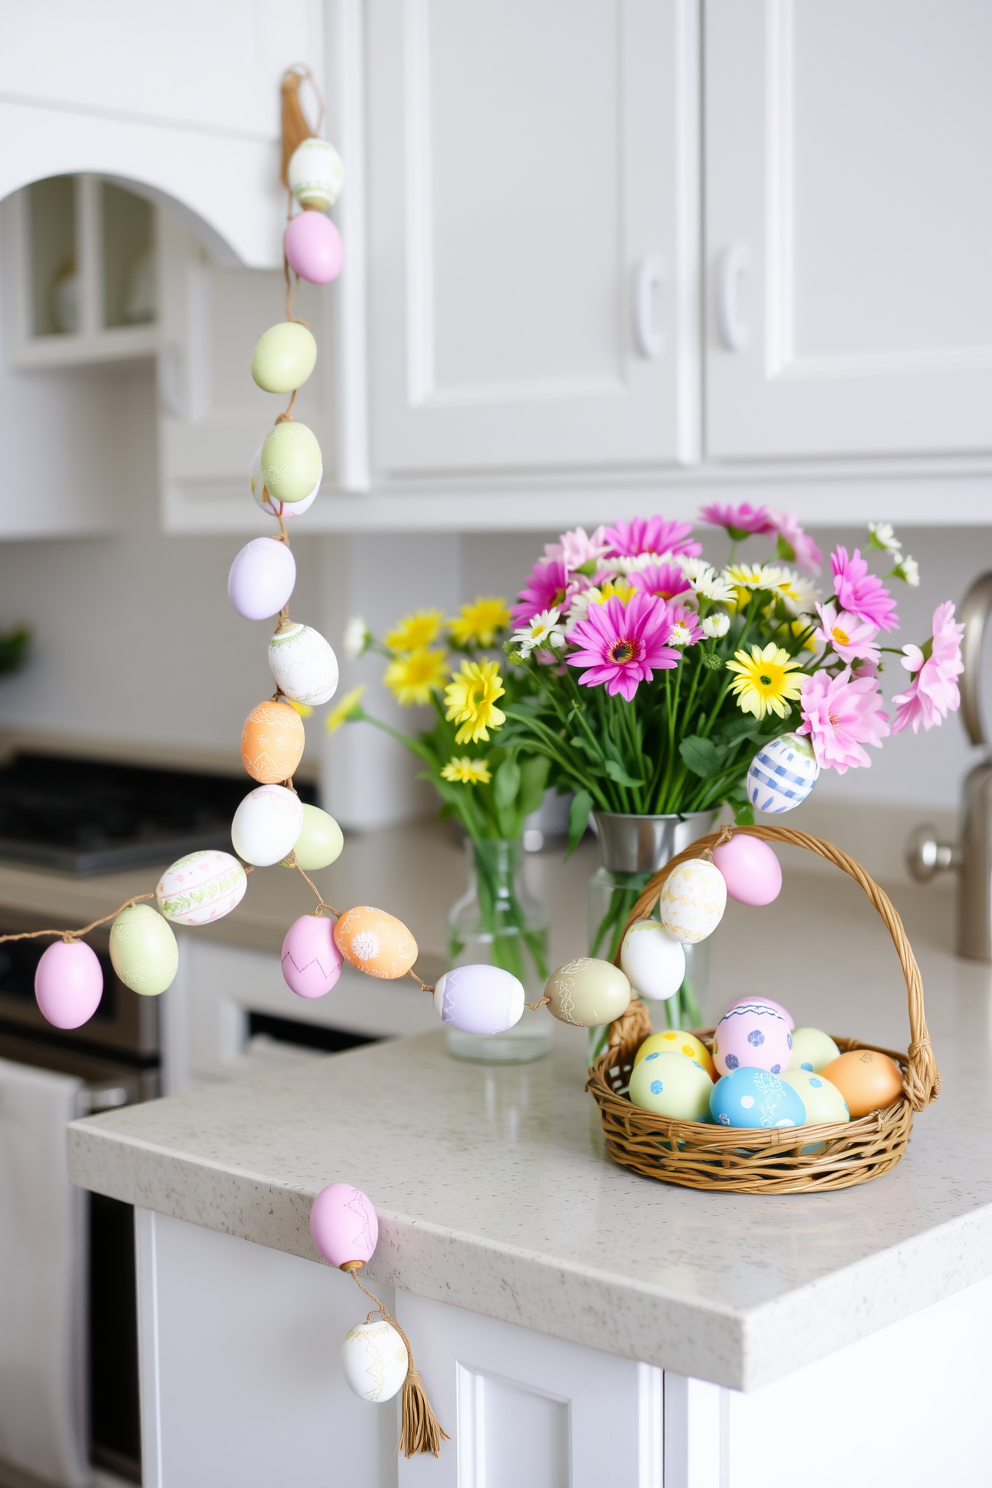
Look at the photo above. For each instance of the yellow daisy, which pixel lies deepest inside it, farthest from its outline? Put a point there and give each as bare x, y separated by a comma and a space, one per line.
613, 589
470, 698
764, 684
344, 709
468, 771
415, 630
480, 621
412, 678
304, 709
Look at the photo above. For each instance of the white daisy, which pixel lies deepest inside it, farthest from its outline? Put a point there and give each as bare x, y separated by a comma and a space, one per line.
357, 638
715, 626
881, 535
681, 635
909, 570
542, 630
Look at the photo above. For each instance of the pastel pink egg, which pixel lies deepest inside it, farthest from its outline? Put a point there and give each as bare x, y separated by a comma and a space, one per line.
790, 1020
68, 983
752, 1035
752, 871
313, 247
343, 1224
311, 961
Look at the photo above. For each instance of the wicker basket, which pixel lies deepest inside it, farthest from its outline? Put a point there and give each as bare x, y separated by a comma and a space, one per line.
699, 1155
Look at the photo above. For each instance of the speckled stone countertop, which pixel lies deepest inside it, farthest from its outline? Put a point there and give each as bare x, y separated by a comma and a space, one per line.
494, 1191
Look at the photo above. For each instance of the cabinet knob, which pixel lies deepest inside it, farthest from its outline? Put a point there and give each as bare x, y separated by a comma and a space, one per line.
733, 265
648, 276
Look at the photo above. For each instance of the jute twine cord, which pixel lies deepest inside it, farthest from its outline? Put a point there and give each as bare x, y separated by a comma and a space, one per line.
698, 1155
421, 1431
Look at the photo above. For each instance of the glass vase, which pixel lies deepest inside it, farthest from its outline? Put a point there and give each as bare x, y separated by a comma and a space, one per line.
632, 849
499, 922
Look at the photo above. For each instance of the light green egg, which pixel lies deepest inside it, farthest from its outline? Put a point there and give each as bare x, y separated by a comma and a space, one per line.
812, 1050
320, 843
824, 1103
285, 356
291, 461
672, 1085
144, 950
588, 992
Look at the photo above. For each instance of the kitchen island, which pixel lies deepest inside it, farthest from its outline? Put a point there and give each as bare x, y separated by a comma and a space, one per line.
574, 1323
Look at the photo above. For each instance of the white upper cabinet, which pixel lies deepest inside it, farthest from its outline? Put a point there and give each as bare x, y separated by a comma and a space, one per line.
848, 227
533, 234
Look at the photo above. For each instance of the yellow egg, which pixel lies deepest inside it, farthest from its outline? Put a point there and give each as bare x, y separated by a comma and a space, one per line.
672, 1085
375, 942
676, 1041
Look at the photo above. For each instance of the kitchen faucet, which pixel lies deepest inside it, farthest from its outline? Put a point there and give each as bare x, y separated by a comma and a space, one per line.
971, 856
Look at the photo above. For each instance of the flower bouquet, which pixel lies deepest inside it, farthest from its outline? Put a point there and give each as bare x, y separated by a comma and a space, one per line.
490, 787
655, 679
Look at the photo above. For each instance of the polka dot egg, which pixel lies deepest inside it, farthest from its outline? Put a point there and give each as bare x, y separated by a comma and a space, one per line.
755, 1097
692, 901
812, 1049
782, 774
676, 1041
823, 1101
375, 942
671, 1085
752, 1034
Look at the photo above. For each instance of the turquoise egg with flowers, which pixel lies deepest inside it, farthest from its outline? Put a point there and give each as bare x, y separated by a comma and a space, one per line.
749, 1097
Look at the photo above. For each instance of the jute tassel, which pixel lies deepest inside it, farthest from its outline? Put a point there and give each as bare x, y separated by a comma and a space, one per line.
295, 128
420, 1431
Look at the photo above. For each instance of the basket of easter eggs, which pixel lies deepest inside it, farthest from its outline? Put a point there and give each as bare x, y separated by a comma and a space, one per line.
753, 1105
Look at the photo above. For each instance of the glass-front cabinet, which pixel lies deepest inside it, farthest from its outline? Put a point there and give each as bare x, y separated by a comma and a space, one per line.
79, 273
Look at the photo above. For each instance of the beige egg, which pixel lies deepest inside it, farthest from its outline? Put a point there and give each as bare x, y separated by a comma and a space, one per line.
588, 992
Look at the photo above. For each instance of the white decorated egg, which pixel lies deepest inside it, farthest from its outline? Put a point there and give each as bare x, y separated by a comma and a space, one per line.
291, 461
652, 960
201, 887
273, 508
374, 1360
266, 825
479, 999
262, 578
692, 901
315, 174
303, 664
782, 774
587, 992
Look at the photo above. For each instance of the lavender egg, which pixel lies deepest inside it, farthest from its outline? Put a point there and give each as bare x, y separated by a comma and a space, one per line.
262, 578
68, 983
752, 1034
311, 961
479, 999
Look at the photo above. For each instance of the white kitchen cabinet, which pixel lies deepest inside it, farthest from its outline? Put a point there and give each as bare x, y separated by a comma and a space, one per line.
848, 228
533, 247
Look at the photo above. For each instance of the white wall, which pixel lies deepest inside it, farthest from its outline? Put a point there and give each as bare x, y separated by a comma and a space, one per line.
135, 638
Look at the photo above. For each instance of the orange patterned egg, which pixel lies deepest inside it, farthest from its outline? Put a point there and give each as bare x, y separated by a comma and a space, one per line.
272, 742
867, 1079
375, 942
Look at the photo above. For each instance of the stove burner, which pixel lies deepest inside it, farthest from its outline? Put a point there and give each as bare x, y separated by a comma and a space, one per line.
88, 816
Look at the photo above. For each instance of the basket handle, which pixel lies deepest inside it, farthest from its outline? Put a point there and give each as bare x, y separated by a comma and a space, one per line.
922, 1078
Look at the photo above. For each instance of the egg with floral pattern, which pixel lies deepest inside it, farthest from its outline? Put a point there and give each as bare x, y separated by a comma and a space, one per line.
693, 899
272, 742
303, 664
756, 1097
375, 942
782, 774
672, 1085
752, 1034
201, 887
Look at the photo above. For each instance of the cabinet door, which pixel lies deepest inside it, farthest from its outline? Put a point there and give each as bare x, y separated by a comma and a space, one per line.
533, 172
848, 228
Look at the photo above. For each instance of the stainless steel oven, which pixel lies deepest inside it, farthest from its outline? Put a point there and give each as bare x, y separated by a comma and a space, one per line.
116, 1054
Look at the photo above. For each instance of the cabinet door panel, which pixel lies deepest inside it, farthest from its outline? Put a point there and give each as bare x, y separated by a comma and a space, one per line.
525, 161
845, 146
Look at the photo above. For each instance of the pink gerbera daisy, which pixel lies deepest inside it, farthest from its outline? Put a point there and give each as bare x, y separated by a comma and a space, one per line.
840, 714
850, 636
577, 549
933, 692
859, 592
742, 520
663, 580
549, 587
650, 535
623, 644
802, 550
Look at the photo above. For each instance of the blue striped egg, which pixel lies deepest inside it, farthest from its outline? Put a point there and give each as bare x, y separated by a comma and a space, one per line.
782, 774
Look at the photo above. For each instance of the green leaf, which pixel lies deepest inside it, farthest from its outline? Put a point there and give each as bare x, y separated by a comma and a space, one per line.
578, 819
584, 747
619, 774
702, 756
739, 726
744, 815
533, 780
785, 550
506, 783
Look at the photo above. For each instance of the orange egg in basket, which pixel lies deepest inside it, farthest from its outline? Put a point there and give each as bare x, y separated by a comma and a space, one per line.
867, 1079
